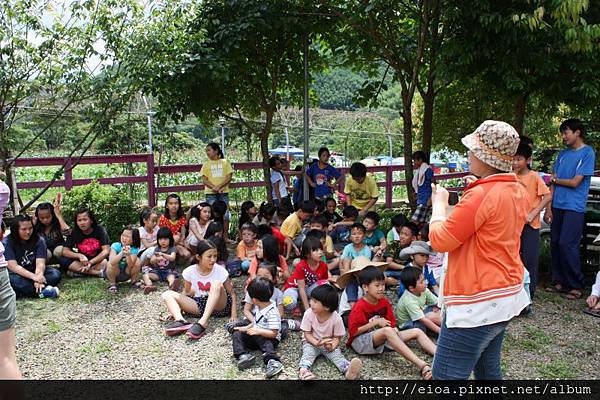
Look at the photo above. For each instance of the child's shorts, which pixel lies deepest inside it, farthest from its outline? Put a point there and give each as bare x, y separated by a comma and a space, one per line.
163, 273
363, 344
201, 303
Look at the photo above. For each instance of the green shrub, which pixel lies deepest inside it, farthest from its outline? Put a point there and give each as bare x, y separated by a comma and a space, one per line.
113, 208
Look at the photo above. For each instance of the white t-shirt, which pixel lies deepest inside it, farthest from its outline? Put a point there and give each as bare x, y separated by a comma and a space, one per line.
276, 176
201, 283
150, 237
344, 304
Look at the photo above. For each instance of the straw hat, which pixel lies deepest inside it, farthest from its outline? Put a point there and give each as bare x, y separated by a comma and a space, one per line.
495, 143
358, 264
416, 247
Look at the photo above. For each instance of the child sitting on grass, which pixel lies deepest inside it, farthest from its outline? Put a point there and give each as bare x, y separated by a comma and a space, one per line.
408, 234
292, 226
418, 252
323, 331
372, 324
246, 249
207, 291
332, 257
263, 333
417, 308
162, 262
355, 249
340, 232
123, 262
374, 237
330, 211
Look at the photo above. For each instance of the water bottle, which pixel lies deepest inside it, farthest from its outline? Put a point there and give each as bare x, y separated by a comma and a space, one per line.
49, 292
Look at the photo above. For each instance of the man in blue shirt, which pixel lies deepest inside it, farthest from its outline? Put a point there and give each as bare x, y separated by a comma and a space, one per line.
570, 181
320, 173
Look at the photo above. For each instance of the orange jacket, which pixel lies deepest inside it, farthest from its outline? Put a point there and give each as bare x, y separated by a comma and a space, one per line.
482, 237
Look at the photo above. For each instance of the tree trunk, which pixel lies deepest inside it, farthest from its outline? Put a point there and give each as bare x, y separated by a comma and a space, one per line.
264, 149
520, 108
407, 128
428, 102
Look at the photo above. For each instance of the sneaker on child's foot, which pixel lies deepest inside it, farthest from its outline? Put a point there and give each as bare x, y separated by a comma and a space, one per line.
245, 361
196, 331
354, 368
273, 368
230, 326
177, 327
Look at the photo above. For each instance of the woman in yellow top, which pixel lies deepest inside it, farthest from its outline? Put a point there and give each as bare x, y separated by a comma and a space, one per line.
216, 175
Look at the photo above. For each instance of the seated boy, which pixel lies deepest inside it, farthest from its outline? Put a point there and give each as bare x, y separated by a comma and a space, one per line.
417, 306
356, 248
374, 237
372, 324
418, 252
292, 226
361, 189
263, 333
408, 234
340, 231
352, 291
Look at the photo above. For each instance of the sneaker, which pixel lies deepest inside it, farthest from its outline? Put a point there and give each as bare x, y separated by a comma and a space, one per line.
149, 289
177, 327
354, 368
245, 361
273, 368
49, 292
229, 327
196, 331
292, 324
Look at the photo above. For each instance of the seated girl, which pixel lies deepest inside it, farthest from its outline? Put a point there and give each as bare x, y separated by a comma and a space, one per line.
87, 247
123, 261
200, 216
50, 225
162, 262
25, 253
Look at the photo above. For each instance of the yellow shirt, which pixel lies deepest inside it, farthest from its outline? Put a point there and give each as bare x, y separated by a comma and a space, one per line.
361, 193
292, 226
216, 171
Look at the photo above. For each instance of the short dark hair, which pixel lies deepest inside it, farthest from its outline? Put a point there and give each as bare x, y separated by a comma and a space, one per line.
350, 212
320, 219
84, 210
573, 124
330, 199
263, 230
165, 233
327, 295
410, 276
249, 226
419, 155
260, 289
373, 216
399, 220
319, 205
266, 209
323, 150
213, 229
269, 266
221, 246
370, 274
144, 215
203, 246
309, 245
424, 233
307, 206
358, 225
273, 160
527, 140
414, 228
219, 208
316, 233
358, 170
524, 150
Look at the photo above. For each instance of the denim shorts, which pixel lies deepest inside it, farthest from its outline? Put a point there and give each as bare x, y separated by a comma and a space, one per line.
201, 303
211, 198
8, 302
163, 273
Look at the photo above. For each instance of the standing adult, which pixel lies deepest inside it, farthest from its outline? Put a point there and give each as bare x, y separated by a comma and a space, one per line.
8, 308
571, 176
320, 174
483, 285
25, 253
216, 175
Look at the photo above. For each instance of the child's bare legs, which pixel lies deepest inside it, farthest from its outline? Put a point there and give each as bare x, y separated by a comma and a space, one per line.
395, 341
134, 271
111, 274
217, 300
94, 270
435, 316
8, 360
426, 344
149, 278
177, 302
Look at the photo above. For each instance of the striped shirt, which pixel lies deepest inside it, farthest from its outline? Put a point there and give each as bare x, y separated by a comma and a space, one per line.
268, 318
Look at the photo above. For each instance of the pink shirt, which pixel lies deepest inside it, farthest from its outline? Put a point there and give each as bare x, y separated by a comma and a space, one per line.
150, 237
332, 327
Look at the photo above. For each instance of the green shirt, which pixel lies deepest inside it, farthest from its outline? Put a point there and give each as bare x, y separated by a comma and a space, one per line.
410, 307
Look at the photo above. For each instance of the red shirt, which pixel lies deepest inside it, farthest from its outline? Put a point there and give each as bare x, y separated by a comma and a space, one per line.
280, 239
174, 226
304, 272
364, 312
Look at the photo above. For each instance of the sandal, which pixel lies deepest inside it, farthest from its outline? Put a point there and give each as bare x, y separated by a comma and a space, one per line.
594, 312
554, 289
305, 375
573, 295
113, 288
166, 317
137, 285
426, 371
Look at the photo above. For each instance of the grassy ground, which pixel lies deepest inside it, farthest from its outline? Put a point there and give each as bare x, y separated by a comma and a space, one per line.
89, 334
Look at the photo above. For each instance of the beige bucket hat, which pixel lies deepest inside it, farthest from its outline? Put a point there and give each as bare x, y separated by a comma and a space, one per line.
495, 143
358, 264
